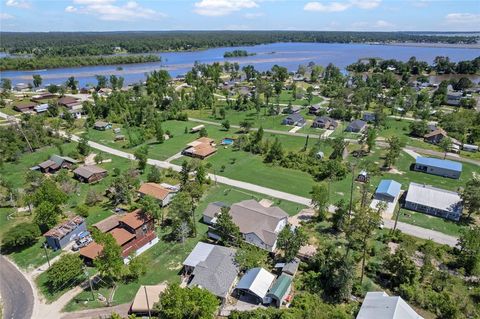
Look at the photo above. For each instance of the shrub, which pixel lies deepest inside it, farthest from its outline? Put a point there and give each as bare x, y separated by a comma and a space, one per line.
21, 236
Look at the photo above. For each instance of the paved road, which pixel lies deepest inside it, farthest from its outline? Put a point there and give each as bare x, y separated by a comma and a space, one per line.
453, 157
17, 294
424, 233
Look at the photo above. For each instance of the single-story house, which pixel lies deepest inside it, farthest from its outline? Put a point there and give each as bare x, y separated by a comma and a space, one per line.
292, 109
368, 117
434, 137
256, 282
102, 126
210, 213
140, 305
379, 305
213, 268
315, 109
280, 290
454, 98
43, 96
68, 101
108, 223
162, 194
294, 119
41, 108
440, 167
388, 190
325, 122
291, 267
55, 163
89, 173
432, 127
259, 224
200, 148
64, 233
25, 107
357, 126
21, 87
434, 201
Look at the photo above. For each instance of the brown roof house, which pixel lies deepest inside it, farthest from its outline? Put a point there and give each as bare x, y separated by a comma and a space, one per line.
54, 163
89, 173
259, 224
200, 148
133, 232
435, 136
162, 192
25, 107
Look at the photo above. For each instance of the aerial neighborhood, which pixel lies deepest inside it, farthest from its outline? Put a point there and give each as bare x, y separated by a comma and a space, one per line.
238, 187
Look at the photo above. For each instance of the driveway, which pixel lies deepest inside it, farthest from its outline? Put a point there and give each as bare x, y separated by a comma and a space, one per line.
17, 294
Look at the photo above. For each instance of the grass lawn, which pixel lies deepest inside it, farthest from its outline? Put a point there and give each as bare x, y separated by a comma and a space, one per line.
430, 222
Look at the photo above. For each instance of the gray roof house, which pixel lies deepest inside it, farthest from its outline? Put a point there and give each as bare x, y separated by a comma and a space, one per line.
258, 224
454, 98
256, 282
434, 201
294, 119
54, 163
325, 122
210, 213
356, 126
379, 305
212, 268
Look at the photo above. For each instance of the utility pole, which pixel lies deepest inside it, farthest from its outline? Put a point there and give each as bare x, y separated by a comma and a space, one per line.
89, 282
396, 219
351, 191
148, 303
46, 253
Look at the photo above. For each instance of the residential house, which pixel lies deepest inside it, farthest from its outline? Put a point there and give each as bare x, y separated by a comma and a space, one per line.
61, 235
325, 122
197, 128
54, 163
146, 298
363, 177
213, 268
43, 96
21, 87
470, 147
279, 293
291, 267
379, 305
200, 148
434, 137
368, 117
68, 101
108, 223
102, 126
134, 233
454, 98
432, 127
292, 109
163, 195
316, 109
41, 108
210, 213
440, 167
259, 224
89, 173
434, 201
388, 190
255, 284
357, 126
294, 119
25, 106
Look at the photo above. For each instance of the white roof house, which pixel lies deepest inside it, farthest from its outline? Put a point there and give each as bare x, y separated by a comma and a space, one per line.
379, 305
256, 281
198, 254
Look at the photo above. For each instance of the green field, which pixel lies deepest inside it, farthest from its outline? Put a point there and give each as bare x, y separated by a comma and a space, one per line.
430, 222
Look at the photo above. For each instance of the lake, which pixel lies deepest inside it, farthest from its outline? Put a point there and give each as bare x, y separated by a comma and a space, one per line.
289, 55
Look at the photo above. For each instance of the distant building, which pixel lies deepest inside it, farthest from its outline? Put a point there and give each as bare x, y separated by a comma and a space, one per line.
64, 233
357, 126
435, 136
294, 119
454, 98
379, 305
162, 194
102, 126
89, 173
325, 122
292, 109
362, 176
41, 108
25, 107
438, 167
434, 201
200, 148
470, 148
368, 117
316, 109
55, 163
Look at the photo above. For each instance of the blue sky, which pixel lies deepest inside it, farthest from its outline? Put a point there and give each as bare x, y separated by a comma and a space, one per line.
356, 15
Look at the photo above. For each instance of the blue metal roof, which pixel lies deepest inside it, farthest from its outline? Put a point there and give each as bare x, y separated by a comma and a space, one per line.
439, 163
389, 187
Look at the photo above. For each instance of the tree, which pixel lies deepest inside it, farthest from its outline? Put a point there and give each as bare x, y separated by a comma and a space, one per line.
48, 192
98, 158
185, 173
37, 80
203, 132
340, 216
186, 303
245, 126
320, 199
151, 207
395, 145
141, 156
181, 210
155, 176
401, 267
226, 125
101, 81
339, 144
275, 153
309, 94
21, 236
93, 197
290, 240
159, 133
46, 215
120, 191
109, 262
71, 83
370, 139
66, 272
469, 250
136, 268
201, 174
228, 231
471, 196
445, 145
83, 147
250, 256
418, 128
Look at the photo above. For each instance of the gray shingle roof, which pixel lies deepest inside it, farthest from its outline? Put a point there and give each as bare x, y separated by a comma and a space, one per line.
430, 196
213, 209
379, 305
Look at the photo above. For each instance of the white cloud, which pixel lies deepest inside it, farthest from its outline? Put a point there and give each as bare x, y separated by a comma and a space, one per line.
420, 3
17, 4
463, 19
109, 11
341, 6
253, 15
70, 9
6, 16
216, 8
383, 24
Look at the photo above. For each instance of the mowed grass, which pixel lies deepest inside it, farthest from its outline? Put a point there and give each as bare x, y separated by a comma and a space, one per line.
430, 222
